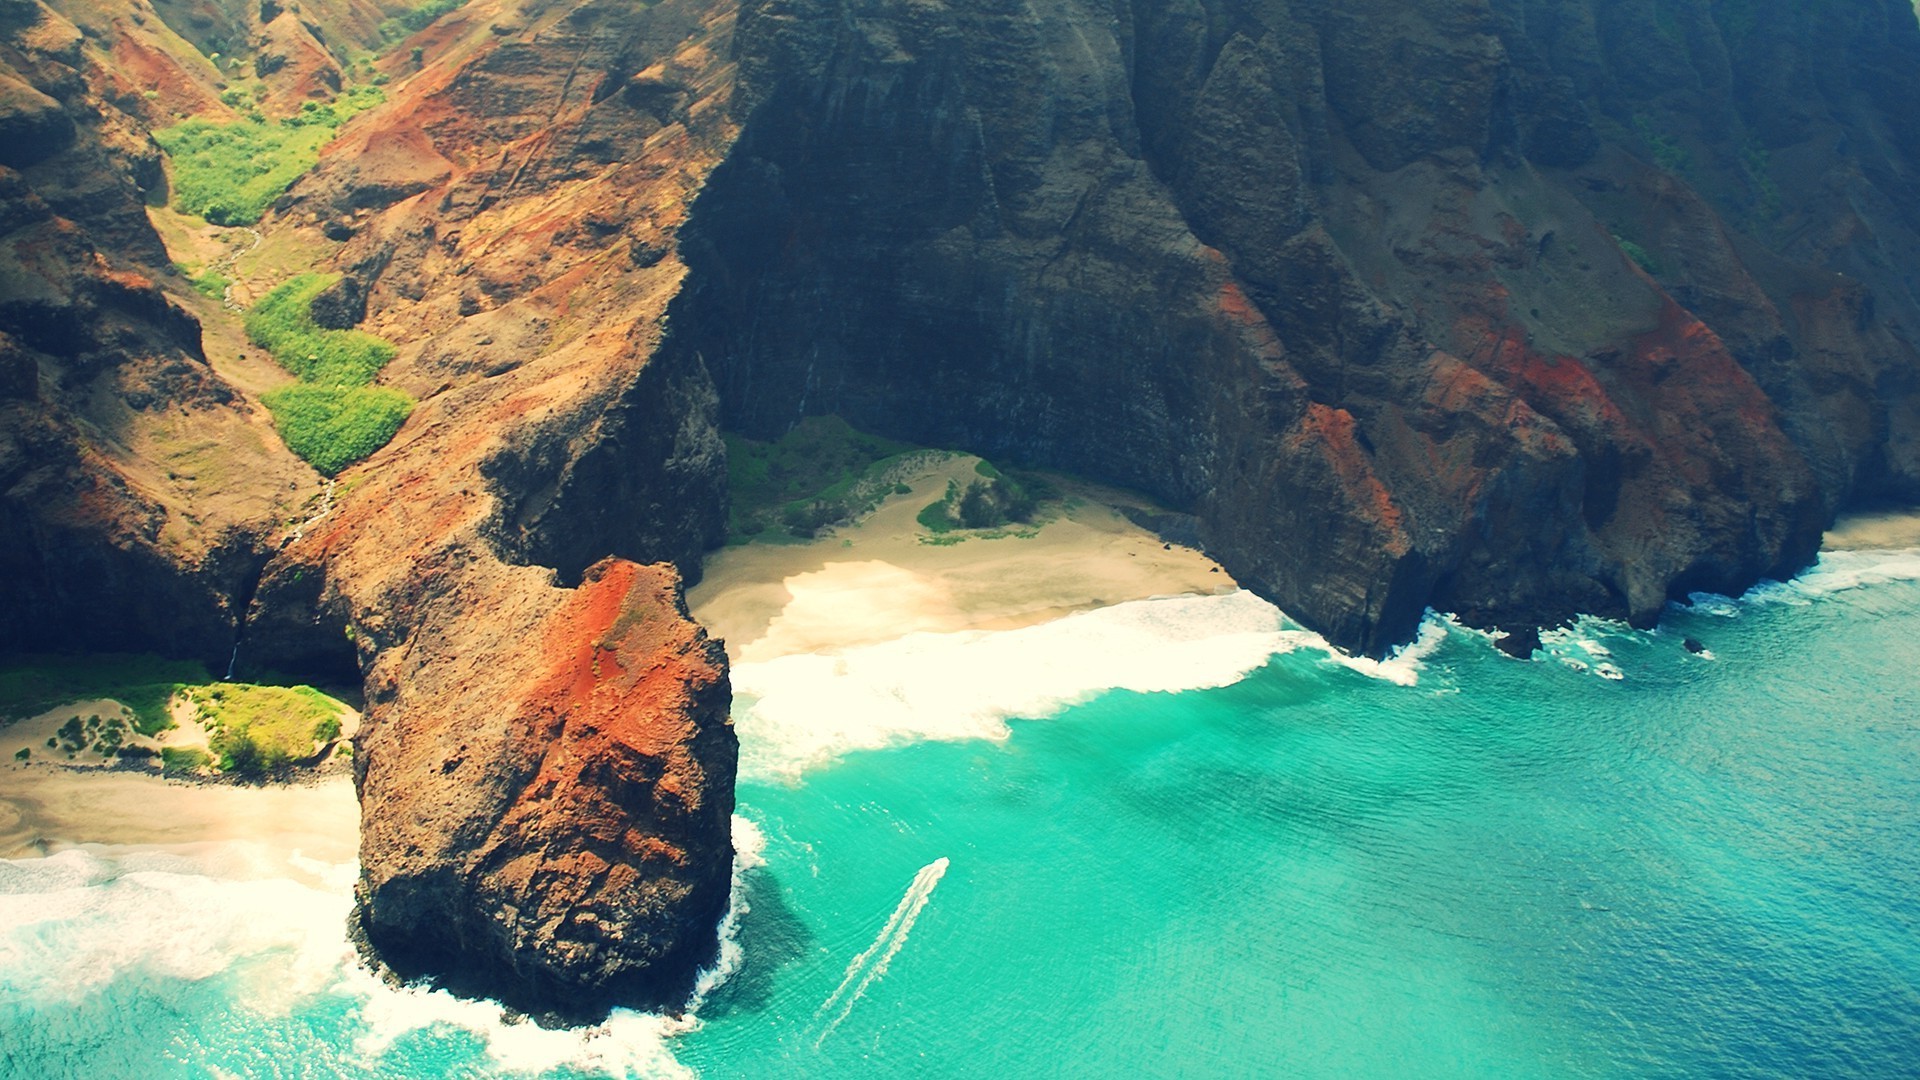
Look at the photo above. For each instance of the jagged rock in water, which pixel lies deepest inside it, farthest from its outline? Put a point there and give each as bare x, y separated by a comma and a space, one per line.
564, 843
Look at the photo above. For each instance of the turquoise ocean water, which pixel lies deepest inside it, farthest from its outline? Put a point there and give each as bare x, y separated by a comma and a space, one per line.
969, 855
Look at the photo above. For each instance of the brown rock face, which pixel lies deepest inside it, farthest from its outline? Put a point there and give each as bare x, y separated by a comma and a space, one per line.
546, 769
1515, 309
140, 494
555, 834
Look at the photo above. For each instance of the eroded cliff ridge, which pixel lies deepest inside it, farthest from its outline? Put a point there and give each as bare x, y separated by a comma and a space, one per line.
1515, 309
1512, 309
546, 772
546, 767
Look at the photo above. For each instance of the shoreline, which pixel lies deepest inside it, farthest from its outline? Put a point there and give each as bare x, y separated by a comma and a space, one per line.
885, 576
1874, 530
49, 808
881, 578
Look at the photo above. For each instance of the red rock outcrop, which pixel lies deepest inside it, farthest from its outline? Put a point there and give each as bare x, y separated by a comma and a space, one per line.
548, 822
546, 767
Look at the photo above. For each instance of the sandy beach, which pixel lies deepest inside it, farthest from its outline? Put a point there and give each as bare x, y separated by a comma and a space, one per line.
1874, 530
50, 803
45, 808
880, 578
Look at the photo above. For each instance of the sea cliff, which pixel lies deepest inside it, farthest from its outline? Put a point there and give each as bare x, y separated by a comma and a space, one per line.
1515, 309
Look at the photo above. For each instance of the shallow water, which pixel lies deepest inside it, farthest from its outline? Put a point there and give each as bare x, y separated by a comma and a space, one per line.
1623, 861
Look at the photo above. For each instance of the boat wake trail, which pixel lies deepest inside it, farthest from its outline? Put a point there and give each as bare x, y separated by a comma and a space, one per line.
867, 968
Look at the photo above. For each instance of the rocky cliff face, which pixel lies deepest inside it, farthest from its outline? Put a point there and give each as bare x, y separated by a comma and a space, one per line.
140, 493
546, 767
556, 835
1514, 309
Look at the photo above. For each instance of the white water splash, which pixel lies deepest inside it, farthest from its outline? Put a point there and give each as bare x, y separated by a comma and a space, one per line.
75, 922
800, 712
892, 937
627, 1044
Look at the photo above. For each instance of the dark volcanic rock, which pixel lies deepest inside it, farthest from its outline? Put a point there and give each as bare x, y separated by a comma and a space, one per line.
33, 126
1520, 644
341, 305
567, 848
118, 530
1517, 309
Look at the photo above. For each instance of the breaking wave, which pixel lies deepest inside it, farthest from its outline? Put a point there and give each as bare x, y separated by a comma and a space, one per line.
802, 711
89, 930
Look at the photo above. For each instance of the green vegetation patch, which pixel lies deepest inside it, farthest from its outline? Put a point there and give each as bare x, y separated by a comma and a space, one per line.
1639, 255
209, 283
253, 729
409, 22
1666, 150
937, 516
333, 427
30, 685
176, 760
821, 473
990, 502
281, 322
331, 418
229, 173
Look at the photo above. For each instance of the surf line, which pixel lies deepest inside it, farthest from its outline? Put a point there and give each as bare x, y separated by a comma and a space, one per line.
865, 968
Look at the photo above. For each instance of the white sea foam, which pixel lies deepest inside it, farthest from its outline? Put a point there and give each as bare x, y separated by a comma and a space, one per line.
628, 1044
1834, 571
801, 711
1838, 571
1580, 648
749, 853
75, 921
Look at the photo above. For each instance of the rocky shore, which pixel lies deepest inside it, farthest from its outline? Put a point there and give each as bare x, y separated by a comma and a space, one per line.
1516, 309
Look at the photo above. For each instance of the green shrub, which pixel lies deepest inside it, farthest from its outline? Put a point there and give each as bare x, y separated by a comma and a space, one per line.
183, 759
230, 173
419, 18
23, 754
281, 322
334, 427
994, 500
822, 472
1639, 255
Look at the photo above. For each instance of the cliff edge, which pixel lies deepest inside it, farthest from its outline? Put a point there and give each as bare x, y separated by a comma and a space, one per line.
1510, 309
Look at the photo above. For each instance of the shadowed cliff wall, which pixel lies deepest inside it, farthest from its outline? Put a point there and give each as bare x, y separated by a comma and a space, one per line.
1513, 309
